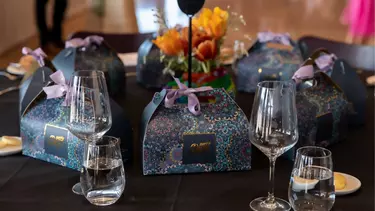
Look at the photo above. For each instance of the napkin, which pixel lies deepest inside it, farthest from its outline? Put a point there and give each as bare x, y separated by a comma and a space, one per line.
129, 59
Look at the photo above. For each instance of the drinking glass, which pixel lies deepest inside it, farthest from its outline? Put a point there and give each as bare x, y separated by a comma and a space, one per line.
273, 130
312, 183
103, 175
90, 113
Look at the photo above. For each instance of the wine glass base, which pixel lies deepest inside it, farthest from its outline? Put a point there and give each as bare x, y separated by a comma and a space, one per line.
260, 204
77, 189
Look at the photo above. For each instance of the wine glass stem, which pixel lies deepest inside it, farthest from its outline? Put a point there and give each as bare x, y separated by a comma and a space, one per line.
271, 197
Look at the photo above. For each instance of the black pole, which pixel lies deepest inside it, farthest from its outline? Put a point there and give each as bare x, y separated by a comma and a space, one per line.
190, 57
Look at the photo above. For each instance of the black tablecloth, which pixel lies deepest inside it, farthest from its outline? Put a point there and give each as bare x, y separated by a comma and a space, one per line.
30, 184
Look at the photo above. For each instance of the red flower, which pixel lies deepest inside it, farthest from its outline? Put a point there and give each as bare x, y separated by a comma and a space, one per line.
206, 50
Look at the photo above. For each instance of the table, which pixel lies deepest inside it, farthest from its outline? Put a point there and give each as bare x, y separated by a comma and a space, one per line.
30, 184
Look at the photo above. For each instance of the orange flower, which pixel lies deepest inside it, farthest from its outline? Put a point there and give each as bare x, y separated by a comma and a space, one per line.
221, 13
206, 50
218, 24
170, 43
203, 19
214, 23
198, 36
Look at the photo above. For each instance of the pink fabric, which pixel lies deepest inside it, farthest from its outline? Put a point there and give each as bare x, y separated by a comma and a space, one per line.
359, 15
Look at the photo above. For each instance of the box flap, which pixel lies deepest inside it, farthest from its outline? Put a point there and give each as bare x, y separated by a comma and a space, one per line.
346, 77
33, 87
65, 61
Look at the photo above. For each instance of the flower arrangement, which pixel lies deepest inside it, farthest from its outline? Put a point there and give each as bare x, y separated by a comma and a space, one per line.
209, 29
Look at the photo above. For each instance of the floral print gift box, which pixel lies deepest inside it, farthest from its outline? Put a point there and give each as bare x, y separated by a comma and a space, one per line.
209, 133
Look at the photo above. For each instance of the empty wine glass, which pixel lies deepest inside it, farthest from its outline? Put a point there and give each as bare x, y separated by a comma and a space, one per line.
103, 175
273, 130
312, 182
90, 113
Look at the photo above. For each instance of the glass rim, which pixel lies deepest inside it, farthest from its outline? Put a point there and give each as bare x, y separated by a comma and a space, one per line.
329, 153
261, 84
99, 72
111, 143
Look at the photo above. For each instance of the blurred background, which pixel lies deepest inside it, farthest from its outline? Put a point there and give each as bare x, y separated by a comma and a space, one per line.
298, 17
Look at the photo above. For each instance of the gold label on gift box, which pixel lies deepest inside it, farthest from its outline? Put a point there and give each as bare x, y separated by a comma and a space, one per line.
199, 148
55, 140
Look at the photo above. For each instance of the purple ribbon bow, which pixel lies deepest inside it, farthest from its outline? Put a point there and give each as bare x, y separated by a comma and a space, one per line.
58, 90
324, 63
38, 54
304, 72
193, 102
79, 42
264, 37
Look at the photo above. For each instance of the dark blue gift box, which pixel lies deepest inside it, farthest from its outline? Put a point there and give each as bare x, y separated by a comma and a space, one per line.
43, 125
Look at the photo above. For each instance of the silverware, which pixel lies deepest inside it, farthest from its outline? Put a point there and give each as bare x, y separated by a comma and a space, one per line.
9, 76
9, 89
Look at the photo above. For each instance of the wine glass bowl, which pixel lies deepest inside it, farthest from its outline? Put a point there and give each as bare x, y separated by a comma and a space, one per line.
273, 130
90, 112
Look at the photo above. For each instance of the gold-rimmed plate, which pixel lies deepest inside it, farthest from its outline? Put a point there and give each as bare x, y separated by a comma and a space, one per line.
11, 149
352, 185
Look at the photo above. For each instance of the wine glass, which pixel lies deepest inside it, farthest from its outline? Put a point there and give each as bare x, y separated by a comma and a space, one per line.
90, 113
273, 130
312, 182
103, 175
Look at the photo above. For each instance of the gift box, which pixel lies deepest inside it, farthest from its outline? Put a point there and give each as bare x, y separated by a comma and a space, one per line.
347, 79
150, 67
322, 110
93, 53
272, 57
209, 133
43, 125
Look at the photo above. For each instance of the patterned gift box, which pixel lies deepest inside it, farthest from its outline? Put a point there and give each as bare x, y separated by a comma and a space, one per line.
347, 79
43, 125
93, 53
322, 110
44, 134
268, 59
177, 141
150, 67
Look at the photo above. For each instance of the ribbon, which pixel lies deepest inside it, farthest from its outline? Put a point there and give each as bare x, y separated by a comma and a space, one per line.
38, 54
264, 37
193, 102
324, 63
304, 72
58, 90
79, 42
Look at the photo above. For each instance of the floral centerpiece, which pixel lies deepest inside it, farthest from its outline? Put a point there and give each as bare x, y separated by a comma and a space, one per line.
208, 33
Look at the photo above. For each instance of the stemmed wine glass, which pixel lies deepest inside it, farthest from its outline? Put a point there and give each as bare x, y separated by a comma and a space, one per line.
90, 113
273, 130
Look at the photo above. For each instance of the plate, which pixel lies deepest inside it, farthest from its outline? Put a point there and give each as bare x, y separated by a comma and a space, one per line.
10, 150
352, 185
15, 69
